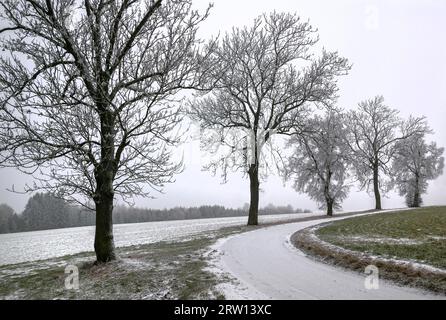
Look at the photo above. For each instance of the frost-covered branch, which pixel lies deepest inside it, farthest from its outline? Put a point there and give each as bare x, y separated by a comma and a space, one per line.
374, 131
267, 81
89, 96
320, 161
415, 163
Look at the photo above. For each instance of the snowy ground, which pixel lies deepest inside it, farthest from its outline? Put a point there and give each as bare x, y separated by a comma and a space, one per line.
266, 266
45, 244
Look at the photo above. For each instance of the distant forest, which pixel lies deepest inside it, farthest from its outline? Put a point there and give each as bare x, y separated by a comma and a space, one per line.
44, 211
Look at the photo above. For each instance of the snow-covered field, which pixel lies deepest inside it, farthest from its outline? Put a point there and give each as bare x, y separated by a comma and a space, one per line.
37, 245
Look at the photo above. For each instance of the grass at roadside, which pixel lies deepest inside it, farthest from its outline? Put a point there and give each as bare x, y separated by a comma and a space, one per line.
162, 270
408, 246
410, 235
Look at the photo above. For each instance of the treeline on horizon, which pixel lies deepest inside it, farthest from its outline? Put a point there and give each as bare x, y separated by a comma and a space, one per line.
44, 211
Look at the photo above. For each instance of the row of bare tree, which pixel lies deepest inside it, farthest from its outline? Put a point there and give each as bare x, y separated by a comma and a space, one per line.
371, 145
91, 91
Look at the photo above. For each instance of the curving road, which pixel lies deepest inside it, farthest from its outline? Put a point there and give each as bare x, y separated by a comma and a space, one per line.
269, 267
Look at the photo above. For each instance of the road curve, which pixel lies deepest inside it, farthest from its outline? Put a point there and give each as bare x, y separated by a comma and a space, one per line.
267, 266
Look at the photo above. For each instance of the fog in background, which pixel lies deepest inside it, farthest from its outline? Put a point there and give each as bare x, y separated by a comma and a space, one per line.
397, 50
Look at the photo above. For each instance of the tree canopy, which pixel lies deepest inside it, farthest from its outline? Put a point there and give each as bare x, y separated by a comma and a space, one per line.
415, 163
374, 130
320, 161
267, 79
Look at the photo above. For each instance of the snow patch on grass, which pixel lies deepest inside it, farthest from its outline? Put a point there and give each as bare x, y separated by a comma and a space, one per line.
401, 241
406, 262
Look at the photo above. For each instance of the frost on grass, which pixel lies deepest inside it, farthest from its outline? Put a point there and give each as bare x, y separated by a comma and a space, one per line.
162, 270
364, 239
402, 270
380, 240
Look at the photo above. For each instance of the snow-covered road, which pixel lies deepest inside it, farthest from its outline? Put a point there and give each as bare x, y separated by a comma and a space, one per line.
269, 267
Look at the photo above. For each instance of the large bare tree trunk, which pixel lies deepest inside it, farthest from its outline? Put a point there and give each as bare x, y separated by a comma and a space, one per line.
103, 243
416, 202
253, 173
328, 199
376, 189
329, 207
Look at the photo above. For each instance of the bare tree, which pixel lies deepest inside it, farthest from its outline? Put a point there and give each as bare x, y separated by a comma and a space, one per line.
88, 96
374, 131
321, 160
265, 81
415, 162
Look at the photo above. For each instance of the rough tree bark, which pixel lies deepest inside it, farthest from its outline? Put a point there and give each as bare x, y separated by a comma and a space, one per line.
254, 192
104, 195
329, 207
376, 188
329, 201
327, 195
416, 196
103, 241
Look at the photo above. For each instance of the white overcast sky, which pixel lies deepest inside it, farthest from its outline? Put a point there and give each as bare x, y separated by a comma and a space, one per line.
397, 48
